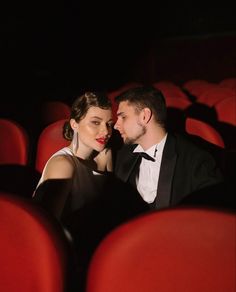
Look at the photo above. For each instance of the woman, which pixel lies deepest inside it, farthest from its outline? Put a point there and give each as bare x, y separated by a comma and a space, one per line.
74, 179
76, 172
77, 185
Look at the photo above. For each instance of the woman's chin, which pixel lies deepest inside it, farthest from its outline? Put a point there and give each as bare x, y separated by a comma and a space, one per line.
99, 148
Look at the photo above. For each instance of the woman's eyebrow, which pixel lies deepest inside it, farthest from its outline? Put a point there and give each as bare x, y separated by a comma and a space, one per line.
96, 117
99, 118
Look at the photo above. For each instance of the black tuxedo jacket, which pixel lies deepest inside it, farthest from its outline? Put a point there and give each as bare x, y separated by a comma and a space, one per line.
185, 169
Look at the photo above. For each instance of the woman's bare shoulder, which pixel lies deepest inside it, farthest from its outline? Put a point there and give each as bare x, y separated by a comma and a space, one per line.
60, 166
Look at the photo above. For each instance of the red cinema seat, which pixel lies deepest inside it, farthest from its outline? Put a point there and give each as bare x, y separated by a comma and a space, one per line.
205, 131
14, 145
52, 111
34, 249
184, 249
226, 110
50, 140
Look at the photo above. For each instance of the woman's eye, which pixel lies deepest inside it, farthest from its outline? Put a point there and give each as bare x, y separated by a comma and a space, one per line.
110, 125
96, 123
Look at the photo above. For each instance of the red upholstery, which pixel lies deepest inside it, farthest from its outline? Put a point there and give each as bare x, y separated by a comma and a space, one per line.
171, 250
50, 140
229, 83
179, 103
53, 111
33, 248
170, 89
112, 95
14, 143
226, 110
205, 131
215, 94
197, 86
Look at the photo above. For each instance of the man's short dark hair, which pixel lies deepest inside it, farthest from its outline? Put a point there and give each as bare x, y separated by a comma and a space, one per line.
146, 96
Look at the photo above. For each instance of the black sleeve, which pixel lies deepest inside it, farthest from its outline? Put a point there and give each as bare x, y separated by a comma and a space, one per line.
52, 195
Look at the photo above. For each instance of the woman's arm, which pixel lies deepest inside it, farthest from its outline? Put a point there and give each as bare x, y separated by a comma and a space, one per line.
53, 192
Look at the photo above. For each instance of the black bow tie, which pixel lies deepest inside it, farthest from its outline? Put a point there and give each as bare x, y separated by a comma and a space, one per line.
146, 156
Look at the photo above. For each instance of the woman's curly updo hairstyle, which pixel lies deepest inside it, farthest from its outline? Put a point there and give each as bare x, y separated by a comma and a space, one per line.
80, 108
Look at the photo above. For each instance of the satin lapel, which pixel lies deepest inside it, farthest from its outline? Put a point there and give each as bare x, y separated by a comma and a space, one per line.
166, 174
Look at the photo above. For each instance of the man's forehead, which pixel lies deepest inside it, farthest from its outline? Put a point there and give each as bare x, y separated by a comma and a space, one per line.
125, 105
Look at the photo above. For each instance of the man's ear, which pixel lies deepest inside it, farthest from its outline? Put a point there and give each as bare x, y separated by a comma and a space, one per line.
146, 115
73, 124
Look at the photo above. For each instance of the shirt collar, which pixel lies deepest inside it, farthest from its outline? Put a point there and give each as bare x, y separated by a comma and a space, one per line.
151, 151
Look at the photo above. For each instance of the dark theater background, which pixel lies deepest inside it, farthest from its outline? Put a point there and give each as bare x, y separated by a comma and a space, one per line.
55, 50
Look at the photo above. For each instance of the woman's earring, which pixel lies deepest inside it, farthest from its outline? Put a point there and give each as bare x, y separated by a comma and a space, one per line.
75, 142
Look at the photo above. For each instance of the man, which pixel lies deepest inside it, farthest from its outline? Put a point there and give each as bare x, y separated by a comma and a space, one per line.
164, 168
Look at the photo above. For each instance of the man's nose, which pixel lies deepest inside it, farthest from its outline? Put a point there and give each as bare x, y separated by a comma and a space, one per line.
116, 126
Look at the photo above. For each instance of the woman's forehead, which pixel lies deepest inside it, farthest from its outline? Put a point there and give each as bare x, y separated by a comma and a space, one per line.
95, 111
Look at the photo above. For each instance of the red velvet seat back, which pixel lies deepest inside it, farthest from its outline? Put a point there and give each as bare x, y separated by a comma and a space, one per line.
226, 110
33, 248
228, 82
14, 143
171, 250
205, 131
196, 87
50, 140
53, 111
169, 89
215, 94
179, 103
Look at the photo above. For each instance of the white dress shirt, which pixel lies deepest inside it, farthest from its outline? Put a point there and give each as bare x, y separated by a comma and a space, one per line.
148, 176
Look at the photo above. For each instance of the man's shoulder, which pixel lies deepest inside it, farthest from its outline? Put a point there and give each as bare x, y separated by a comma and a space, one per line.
196, 147
190, 142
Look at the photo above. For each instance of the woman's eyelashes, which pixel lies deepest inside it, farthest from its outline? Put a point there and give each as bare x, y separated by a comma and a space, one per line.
110, 125
96, 123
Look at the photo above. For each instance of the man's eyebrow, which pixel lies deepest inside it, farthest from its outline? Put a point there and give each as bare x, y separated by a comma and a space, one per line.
120, 113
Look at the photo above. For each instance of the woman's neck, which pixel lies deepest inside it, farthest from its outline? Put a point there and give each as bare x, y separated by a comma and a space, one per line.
85, 154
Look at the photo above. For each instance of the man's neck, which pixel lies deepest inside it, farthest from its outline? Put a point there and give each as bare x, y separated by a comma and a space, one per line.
152, 136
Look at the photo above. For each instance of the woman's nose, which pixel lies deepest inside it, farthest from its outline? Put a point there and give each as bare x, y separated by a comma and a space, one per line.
106, 130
